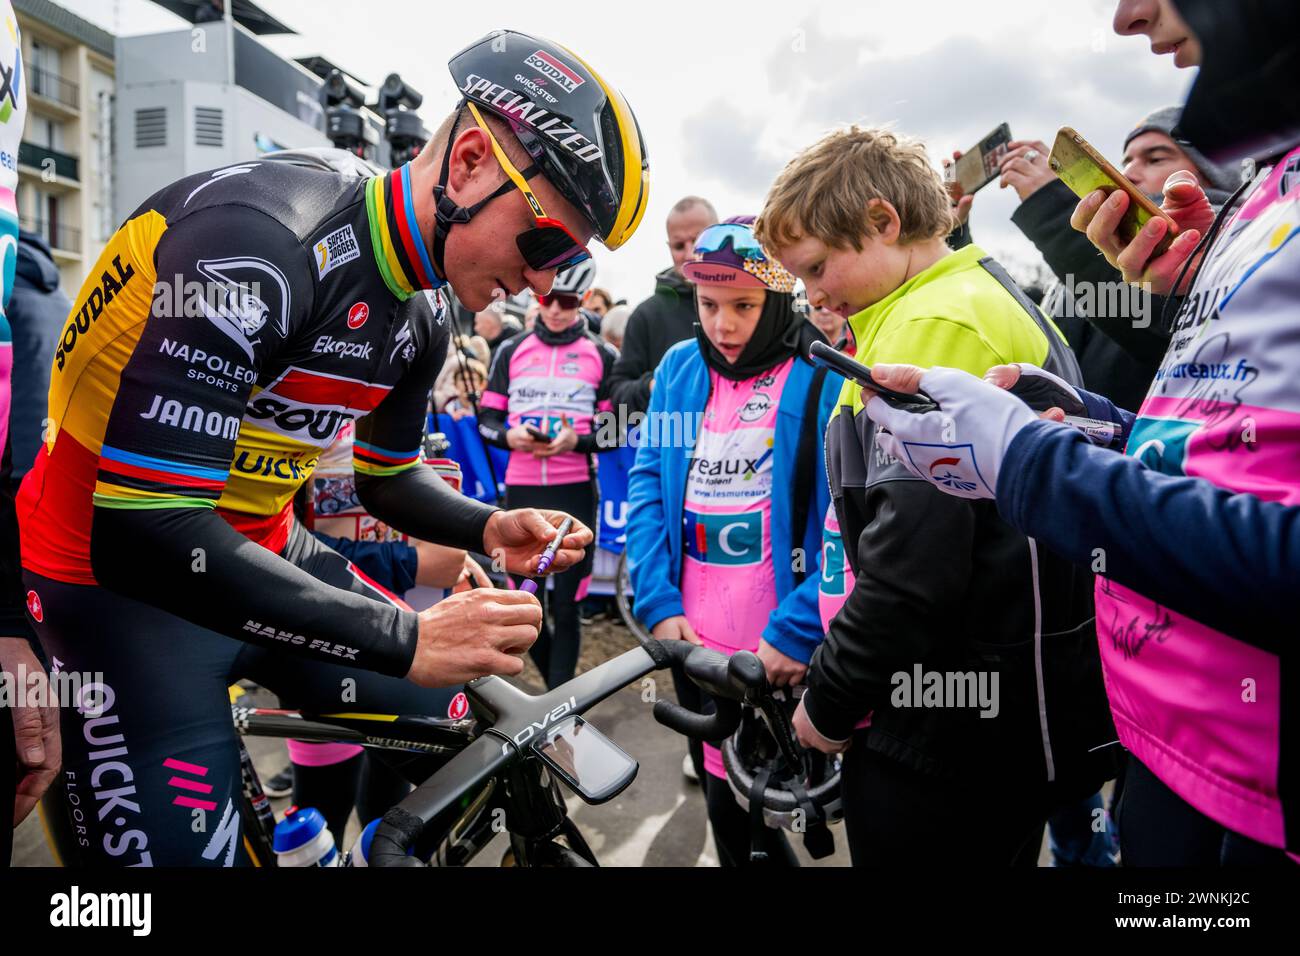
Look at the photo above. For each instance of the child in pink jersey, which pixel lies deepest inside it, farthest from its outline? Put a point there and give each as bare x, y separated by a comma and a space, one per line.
721, 552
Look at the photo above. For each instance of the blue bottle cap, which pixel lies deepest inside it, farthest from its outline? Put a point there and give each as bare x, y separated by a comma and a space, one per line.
298, 828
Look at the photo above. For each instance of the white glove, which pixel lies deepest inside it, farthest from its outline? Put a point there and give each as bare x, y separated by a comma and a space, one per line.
959, 448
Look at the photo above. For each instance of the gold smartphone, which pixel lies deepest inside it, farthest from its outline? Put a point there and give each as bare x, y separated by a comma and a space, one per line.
1085, 170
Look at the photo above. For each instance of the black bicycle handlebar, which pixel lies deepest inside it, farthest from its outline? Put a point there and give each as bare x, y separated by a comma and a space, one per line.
506, 715
730, 681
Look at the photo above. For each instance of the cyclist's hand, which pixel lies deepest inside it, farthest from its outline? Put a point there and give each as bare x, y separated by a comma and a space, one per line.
475, 633
782, 670
520, 439
675, 628
36, 729
1098, 216
517, 538
808, 736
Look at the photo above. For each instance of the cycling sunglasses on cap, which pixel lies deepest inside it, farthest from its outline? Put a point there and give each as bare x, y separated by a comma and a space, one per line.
741, 237
563, 299
549, 244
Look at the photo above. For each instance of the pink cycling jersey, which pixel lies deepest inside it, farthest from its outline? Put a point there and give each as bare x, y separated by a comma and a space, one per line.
728, 587
536, 380
1198, 707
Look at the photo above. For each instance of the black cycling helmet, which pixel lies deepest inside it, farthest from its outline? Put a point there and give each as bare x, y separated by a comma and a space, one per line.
804, 802
578, 129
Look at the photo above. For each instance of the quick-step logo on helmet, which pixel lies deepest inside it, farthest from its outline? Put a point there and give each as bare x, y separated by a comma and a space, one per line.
555, 71
516, 106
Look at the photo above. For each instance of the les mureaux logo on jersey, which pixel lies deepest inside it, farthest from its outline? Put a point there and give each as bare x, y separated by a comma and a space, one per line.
336, 249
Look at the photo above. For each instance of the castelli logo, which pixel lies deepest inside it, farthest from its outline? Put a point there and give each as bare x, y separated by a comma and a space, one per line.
357, 315
38, 613
458, 707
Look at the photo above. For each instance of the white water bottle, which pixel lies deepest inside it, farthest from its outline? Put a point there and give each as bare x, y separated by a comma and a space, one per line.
303, 839
360, 855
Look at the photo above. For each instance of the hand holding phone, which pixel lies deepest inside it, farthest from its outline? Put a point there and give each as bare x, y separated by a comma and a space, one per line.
538, 434
823, 354
1085, 171
978, 166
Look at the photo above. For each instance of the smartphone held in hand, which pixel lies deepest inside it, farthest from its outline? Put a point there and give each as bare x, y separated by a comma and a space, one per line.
979, 165
1085, 171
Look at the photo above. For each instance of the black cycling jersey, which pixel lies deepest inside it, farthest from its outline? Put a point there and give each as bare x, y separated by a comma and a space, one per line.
230, 327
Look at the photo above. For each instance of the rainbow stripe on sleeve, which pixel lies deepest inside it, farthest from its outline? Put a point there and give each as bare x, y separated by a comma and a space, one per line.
130, 480
381, 462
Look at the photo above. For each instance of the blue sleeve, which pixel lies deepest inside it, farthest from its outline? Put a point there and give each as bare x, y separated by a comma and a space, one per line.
392, 564
1230, 561
647, 545
1101, 407
795, 627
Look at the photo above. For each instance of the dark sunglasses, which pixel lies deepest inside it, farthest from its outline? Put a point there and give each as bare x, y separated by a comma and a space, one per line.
563, 299
549, 244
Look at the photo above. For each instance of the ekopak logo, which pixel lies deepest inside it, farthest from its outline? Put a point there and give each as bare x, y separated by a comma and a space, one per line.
34, 607
357, 315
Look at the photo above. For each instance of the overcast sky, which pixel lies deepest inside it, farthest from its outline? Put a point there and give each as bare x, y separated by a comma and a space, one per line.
726, 93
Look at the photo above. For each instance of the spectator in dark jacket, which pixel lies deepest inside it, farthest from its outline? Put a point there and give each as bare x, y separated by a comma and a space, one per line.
1113, 330
667, 317
37, 312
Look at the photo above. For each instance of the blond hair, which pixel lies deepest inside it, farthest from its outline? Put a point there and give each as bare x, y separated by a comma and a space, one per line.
824, 191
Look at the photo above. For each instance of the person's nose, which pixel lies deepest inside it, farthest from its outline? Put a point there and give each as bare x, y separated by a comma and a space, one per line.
1135, 16
540, 280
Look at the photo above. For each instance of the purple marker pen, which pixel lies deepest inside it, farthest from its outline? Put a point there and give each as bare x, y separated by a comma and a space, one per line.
548, 555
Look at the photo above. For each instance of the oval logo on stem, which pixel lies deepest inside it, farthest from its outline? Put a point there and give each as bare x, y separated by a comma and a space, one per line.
357, 315
34, 607
458, 707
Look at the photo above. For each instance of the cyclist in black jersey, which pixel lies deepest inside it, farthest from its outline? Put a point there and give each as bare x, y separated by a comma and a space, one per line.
228, 330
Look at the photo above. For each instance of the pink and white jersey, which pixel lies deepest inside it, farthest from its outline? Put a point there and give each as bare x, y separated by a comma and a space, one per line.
1197, 706
537, 379
728, 587
836, 578
13, 112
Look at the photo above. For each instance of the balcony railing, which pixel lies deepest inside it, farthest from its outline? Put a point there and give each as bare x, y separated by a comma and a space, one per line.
57, 235
29, 154
47, 83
